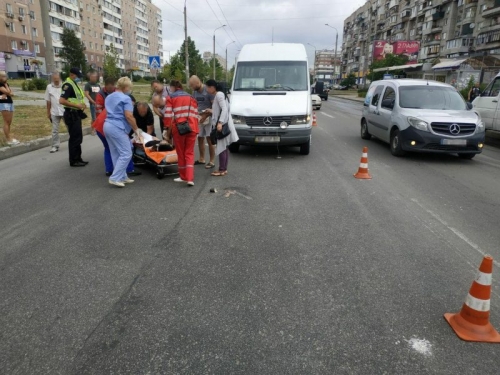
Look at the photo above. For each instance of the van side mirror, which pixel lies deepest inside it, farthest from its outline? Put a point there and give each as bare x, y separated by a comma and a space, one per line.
469, 106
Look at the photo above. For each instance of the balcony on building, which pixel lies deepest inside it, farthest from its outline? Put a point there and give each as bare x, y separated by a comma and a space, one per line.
362, 37
405, 14
436, 28
437, 15
492, 10
381, 19
357, 52
393, 4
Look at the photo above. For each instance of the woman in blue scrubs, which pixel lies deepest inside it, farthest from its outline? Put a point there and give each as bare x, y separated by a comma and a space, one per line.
119, 121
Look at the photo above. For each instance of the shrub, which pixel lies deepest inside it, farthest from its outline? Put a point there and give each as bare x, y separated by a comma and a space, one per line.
148, 78
28, 86
362, 93
40, 83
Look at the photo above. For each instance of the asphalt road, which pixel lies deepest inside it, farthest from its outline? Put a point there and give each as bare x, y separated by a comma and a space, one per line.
292, 267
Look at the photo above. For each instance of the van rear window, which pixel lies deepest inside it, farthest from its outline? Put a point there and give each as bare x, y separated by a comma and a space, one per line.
271, 76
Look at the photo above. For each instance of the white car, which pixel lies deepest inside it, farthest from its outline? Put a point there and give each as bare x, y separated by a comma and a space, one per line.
316, 101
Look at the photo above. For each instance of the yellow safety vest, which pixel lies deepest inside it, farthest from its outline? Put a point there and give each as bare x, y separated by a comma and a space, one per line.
80, 99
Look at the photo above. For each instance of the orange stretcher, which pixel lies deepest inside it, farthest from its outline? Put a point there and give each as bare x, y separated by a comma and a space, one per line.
163, 161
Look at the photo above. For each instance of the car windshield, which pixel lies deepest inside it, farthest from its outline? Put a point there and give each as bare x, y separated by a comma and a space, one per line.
271, 76
430, 97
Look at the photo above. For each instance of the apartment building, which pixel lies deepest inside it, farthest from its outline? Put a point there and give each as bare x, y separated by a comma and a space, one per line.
208, 58
327, 67
445, 29
134, 27
21, 37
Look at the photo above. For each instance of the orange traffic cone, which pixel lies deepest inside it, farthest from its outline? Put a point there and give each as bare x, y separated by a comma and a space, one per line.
473, 321
315, 120
363, 166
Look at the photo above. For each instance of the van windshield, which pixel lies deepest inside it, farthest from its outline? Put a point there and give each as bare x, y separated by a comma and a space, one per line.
430, 97
271, 76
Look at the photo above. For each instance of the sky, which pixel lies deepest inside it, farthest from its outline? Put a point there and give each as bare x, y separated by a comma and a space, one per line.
253, 21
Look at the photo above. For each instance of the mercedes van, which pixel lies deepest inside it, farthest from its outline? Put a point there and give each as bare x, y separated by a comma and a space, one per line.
421, 116
271, 96
487, 104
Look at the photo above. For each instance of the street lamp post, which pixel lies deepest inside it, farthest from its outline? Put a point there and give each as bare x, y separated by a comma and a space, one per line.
186, 49
214, 46
314, 58
226, 57
336, 42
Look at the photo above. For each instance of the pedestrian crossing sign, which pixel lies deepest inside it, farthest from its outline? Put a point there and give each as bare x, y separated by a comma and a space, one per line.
154, 62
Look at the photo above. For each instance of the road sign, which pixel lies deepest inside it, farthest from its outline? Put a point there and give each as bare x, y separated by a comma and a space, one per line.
154, 62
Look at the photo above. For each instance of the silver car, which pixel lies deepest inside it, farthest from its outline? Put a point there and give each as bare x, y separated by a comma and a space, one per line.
420, 115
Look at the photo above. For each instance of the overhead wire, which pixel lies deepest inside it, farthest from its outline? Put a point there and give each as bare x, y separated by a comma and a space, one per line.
235, 37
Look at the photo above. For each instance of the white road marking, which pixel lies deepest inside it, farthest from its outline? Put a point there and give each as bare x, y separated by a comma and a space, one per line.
420, 345
459, 234
326, 114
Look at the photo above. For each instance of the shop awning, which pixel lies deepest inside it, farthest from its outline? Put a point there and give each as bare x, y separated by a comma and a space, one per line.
448, 65
397, 67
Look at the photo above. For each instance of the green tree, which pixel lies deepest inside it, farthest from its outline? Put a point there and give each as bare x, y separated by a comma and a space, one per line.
110, 64
73, 52
390, 60
349, 81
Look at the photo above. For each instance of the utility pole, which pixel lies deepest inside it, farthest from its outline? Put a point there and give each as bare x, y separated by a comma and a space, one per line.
49, 49
335, 52
213, 57
186, 50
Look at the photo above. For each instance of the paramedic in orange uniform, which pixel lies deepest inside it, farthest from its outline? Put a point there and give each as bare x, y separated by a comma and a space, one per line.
182, 107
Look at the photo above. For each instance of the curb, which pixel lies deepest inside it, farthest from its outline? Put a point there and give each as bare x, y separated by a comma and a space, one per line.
352, 99
23, 148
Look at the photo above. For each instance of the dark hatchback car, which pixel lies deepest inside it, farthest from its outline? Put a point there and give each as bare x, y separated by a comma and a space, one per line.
320, 90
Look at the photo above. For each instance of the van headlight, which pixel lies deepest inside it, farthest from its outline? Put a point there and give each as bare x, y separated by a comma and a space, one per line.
480, 126
238, 119
418, 124
297, 120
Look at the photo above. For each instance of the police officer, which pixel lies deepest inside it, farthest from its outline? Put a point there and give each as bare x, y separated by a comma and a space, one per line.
72, 99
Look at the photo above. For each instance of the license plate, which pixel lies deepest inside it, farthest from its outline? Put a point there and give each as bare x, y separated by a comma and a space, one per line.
454, 142
267, 139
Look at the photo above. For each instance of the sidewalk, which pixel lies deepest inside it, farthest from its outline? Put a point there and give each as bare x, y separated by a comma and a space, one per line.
492, 136
31, 98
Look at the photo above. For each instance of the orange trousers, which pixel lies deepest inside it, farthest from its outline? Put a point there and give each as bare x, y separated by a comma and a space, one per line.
184, 146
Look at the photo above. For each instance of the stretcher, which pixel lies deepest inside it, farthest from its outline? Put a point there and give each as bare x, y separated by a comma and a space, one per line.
162, 161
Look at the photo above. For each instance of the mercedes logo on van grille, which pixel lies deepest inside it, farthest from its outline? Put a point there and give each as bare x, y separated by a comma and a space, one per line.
454, 129
267, 121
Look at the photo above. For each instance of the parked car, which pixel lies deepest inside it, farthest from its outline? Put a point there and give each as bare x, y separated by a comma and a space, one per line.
421, 115
316, 101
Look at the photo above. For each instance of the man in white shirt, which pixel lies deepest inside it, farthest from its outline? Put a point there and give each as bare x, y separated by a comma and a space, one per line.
55, 111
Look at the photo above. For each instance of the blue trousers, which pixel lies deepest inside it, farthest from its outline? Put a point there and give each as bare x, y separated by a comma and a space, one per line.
121, 151
108, 162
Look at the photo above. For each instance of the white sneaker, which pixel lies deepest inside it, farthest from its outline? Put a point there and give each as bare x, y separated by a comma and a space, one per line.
13, 142
190, 183
54, 149
178, 179
127, 181
117, 183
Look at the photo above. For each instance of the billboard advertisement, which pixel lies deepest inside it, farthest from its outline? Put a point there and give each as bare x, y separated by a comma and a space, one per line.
409, 48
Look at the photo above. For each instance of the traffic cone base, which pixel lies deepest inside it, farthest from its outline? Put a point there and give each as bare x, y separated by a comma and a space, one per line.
362, 172
315, 120
472, 323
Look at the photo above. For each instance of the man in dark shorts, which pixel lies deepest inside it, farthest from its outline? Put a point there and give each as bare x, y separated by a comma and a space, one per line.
91, 90
204, 100
73, 101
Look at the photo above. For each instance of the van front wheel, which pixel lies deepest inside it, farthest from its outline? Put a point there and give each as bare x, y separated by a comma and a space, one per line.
396, 148
305, 147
